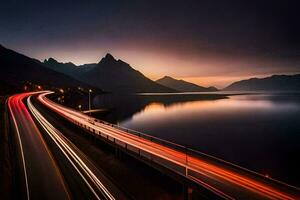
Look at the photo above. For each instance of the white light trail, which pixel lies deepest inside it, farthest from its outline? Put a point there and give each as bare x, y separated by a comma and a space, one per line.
21, 148
70, 154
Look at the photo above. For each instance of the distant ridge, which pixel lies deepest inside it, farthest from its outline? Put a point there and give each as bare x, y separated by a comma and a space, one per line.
183, 86
271, 83
68, 68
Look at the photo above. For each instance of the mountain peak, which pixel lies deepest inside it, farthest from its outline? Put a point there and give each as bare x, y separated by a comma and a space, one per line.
167, 77
183, 86
108, 58
50, 60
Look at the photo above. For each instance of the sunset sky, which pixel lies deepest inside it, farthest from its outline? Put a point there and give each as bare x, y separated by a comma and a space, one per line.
206, 42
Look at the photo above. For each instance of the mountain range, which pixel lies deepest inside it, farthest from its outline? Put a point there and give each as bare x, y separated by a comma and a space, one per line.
118, 76
271, 83
110, 75
68, 68
183, 86
114, 75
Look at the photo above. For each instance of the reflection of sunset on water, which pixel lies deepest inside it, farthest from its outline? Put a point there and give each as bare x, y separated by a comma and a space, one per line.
201, 109
256, 131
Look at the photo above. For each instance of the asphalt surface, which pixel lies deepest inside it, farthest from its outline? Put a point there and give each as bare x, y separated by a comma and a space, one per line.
42, 177
136, 179
53, 167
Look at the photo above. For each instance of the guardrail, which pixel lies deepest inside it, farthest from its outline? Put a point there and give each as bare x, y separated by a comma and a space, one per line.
184, 149
178, 169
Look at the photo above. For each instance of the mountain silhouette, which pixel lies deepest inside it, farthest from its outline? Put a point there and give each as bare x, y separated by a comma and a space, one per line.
183, 86
110, 75
272, 83
68, 68
16, 69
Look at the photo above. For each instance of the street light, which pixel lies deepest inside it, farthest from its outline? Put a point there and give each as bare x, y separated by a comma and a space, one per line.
90, 91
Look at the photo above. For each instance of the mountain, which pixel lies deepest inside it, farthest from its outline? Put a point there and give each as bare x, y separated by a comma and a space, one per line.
272, 83
16, 69
68, 68
118, 76
110, 75
183, 86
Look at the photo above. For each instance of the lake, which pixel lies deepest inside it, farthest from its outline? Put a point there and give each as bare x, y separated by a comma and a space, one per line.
259, 131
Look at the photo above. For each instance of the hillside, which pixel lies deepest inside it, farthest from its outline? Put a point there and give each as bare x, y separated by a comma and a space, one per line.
183, 86
272, 83
17, 69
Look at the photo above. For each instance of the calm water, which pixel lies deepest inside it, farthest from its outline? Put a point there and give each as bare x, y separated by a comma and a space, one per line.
257, 131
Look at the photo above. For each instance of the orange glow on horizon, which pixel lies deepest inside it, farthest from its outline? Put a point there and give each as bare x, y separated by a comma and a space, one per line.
207, 70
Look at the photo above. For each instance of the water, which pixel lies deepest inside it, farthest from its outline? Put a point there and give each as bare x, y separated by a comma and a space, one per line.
257, 131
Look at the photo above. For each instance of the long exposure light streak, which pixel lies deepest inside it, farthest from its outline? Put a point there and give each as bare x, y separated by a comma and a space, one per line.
36, 159
10, 102
70, 154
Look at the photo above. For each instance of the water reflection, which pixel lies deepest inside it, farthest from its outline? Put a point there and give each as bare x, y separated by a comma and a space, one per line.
125, 106
258, 131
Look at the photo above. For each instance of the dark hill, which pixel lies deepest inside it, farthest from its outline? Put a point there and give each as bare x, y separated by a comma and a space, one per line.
272, 83
183, 86
16, 69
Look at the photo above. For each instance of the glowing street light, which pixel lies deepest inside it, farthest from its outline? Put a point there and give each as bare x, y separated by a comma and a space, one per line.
79, 107
90, 91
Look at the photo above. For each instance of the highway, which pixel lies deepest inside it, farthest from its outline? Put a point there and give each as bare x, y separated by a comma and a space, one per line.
39, 167
52, 166
225, 179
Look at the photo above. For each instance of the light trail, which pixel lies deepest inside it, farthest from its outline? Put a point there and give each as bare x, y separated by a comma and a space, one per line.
10, 102
37, 161
222, 175
75, 160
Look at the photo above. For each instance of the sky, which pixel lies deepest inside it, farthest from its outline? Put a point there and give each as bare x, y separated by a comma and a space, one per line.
205, 42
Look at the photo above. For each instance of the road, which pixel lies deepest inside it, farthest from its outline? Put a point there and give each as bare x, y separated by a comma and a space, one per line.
39, 167
226, 180
52, 166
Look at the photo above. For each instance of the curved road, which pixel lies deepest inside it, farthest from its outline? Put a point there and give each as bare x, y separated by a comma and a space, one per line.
52, 166
41, 175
